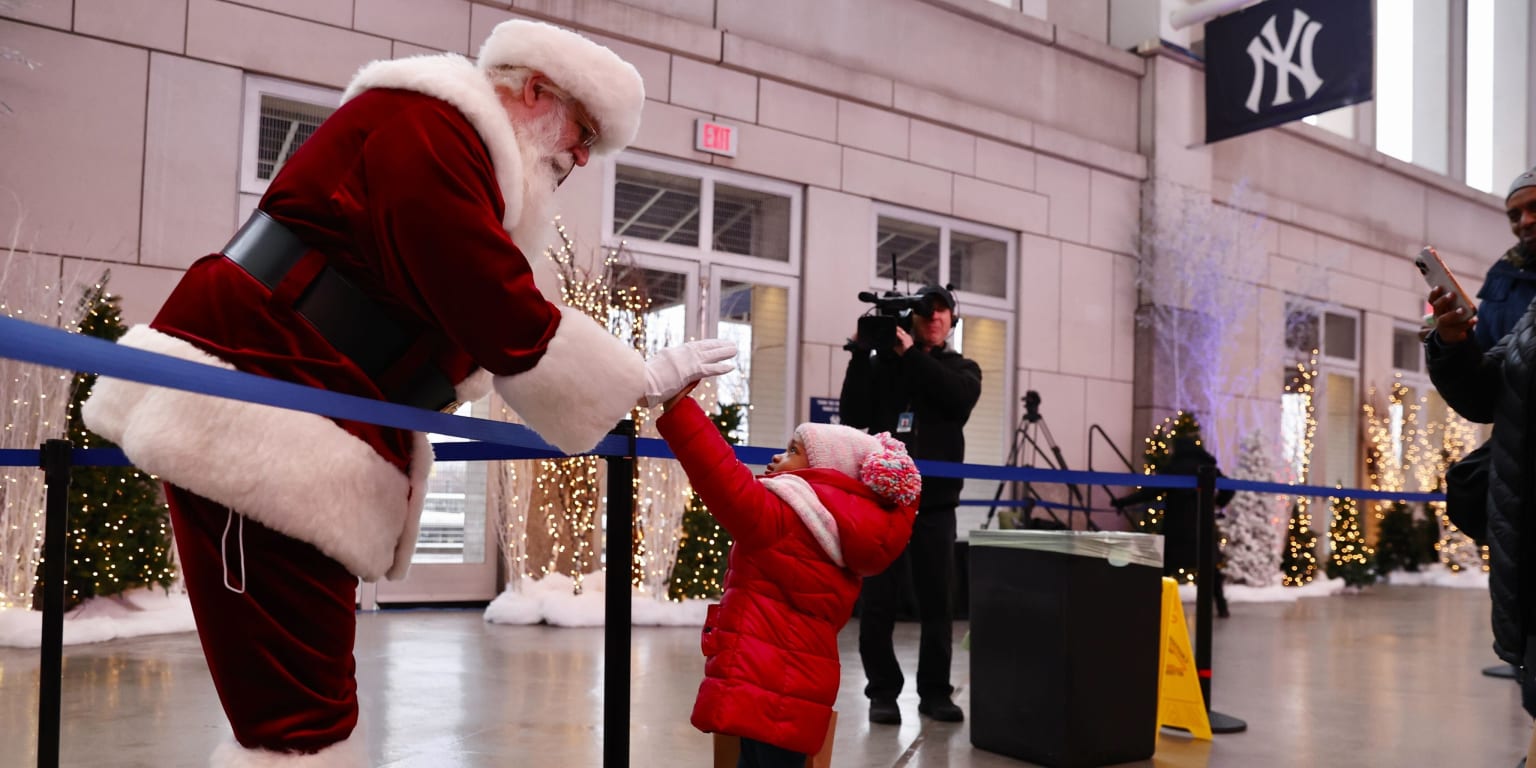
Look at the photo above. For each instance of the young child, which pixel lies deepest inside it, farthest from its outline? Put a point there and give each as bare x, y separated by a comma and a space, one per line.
836, 506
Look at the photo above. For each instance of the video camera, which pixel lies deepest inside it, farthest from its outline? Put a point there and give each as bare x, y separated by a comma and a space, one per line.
877, 329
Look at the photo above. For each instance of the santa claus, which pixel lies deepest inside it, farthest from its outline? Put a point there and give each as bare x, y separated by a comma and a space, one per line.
383, 262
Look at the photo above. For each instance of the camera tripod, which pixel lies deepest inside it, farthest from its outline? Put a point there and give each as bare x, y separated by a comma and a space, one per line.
1027, 436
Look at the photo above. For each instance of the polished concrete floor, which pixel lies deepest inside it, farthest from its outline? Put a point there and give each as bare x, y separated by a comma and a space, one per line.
1385, 678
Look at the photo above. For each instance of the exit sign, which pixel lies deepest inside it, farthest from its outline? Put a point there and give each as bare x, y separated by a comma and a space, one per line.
714, 138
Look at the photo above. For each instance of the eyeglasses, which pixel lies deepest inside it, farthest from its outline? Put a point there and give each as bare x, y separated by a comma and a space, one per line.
584, 122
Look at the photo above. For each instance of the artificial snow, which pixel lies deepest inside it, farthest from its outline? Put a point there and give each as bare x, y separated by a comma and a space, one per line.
1437, 575
1433, 575
150, 611
552, 600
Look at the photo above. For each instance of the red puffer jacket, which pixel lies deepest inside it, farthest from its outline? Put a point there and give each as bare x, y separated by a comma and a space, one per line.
771, 666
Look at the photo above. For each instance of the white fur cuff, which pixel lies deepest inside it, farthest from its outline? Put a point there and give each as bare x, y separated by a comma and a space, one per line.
349, 753
586, 382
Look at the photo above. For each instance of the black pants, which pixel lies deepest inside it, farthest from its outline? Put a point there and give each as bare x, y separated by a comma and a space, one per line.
929, 558
756, 754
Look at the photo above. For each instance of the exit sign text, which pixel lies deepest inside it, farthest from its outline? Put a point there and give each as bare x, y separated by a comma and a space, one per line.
714, 138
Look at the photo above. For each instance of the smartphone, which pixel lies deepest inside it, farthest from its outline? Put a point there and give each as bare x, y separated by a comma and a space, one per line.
1438, 276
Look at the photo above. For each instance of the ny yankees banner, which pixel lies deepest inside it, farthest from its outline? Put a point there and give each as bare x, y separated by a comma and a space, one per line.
1282, 60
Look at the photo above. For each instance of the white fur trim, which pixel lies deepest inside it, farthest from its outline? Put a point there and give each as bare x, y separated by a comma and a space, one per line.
421, 472
586, 382
452, 78
608, 86
297, 473
799, 495
351, 752
474, 386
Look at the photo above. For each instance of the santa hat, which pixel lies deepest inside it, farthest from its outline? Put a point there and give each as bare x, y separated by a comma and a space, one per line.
609, 87
878, 461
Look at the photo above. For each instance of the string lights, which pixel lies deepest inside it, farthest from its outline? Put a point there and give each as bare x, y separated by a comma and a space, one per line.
1298, 567
33, 410
1349, 558
561, 531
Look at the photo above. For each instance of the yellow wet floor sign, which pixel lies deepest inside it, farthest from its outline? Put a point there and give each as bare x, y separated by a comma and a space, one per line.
1180, 704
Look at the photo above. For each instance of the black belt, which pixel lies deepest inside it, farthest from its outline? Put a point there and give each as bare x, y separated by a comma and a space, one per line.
354, 324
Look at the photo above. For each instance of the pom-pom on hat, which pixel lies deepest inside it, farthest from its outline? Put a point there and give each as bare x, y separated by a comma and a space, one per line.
609, 87
878, 461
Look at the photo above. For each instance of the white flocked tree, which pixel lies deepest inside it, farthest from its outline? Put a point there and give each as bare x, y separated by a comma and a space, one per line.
1254, 525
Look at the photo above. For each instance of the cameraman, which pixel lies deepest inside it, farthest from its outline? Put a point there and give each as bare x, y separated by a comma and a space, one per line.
921, 391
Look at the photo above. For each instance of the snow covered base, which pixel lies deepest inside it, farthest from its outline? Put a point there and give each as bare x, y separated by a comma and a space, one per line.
1434, 575
1437, 575
550, 600
132, 614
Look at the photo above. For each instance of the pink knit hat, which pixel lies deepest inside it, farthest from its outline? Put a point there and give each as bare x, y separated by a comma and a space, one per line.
878, 461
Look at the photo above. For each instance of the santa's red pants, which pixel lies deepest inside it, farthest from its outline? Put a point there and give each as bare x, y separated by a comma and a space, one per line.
280, 651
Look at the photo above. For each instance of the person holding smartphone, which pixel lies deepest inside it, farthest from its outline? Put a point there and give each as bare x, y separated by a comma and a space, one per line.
1492, 387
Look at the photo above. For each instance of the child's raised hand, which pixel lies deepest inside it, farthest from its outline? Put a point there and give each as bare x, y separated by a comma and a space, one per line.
678, 398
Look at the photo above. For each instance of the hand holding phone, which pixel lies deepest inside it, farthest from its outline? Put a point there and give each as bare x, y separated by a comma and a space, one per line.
1454, 309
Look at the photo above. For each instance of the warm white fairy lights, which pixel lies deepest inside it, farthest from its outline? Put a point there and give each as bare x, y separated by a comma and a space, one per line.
553, 510
32, 411
1299, 565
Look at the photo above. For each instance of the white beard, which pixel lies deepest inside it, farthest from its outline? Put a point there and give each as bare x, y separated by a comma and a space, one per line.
536, 142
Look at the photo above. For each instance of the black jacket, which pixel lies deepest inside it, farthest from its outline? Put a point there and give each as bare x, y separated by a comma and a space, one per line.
1507, 292
939, 388
1496, 387
1181, 508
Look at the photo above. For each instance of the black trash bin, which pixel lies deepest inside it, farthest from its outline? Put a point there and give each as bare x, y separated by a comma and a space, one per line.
1064, 644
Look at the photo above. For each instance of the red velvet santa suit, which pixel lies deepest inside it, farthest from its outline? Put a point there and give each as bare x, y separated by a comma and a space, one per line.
772, 667
408, 191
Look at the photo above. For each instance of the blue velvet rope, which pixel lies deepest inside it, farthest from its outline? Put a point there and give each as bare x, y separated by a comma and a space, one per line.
485, 439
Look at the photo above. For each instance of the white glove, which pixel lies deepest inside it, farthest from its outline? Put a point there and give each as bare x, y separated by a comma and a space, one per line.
673, 368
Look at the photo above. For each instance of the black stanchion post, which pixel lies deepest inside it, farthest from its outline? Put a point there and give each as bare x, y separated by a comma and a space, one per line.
1204, 592
55, 462
616, 630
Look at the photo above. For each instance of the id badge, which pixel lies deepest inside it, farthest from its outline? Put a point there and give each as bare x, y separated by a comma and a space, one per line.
904, 422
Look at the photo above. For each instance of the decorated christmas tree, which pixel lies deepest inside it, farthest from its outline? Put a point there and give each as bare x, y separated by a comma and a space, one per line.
1156, 455
1299, 565
1251, 526
119, 528
1400, 540
705, 546
1351, 559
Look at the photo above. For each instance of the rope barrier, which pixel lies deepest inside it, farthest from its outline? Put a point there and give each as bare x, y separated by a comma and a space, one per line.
486, 439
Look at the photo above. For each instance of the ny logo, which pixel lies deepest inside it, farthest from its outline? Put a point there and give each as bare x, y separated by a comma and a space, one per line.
1303, 31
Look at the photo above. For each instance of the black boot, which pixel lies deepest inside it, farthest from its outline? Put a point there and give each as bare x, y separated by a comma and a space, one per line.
884, 711
941, 709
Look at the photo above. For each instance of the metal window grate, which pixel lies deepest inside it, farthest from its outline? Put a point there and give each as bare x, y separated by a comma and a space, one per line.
751, 223
978, 264
285, 125
1407, 350
650, 205
913, 247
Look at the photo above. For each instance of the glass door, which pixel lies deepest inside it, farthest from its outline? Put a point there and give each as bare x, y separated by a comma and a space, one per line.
756, 311
455, 559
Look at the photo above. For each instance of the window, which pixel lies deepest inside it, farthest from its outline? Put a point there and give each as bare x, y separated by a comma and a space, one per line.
1407, 351
1413, 82
1498, 95
913, 249
278, 117
677, 209
918, 248
651, 205
718, 253
1335, 398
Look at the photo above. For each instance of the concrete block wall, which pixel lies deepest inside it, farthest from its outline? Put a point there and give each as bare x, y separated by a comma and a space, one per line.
123, 148
930, 104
